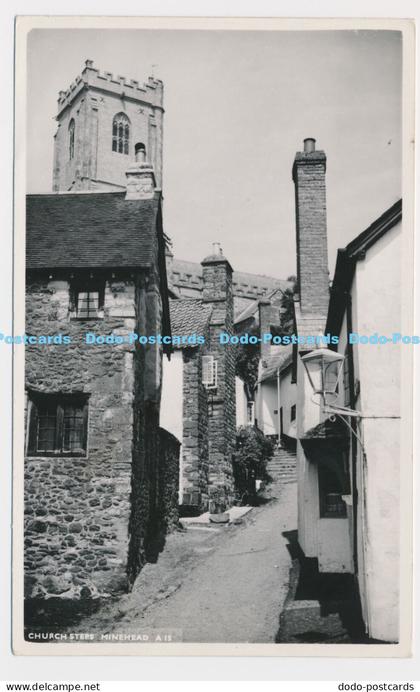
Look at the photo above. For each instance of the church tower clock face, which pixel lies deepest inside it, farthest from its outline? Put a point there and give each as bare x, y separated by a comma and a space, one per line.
100, 118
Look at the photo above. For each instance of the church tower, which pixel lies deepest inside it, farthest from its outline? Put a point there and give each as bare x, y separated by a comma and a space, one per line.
101, 120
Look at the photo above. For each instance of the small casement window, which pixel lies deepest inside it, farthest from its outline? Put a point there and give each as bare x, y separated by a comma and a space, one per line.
250, 412
121, 134
209, 368
333, 482
58, 425
293, 413
71, 139
87, 300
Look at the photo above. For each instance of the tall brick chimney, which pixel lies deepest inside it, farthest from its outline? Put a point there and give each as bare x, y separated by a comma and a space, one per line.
218, 292
311, 229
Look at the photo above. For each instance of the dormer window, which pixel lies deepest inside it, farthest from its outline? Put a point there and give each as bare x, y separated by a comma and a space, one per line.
121, 134
71, 139
87, 300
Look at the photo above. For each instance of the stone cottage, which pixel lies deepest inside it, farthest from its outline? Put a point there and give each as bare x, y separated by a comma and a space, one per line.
198, 402
101, 476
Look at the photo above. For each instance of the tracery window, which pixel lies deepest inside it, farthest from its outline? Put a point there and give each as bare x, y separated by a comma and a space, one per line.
121, 133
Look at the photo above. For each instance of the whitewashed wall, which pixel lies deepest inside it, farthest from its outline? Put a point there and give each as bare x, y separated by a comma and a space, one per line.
171, 402
377, 308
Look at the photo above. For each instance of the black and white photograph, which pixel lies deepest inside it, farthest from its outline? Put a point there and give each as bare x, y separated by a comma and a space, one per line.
212, 437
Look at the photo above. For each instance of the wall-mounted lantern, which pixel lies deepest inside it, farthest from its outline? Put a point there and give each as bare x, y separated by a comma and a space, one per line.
323, 368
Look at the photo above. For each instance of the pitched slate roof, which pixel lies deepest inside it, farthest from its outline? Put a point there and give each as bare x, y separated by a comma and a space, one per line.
277, 361
348, 257
84, 230
188, 316
252, 308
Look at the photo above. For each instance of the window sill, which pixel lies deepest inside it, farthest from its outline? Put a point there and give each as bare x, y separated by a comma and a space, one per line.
86, 319
56, 455
334, 516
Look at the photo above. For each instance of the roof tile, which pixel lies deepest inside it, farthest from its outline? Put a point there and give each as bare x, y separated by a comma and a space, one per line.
81, 230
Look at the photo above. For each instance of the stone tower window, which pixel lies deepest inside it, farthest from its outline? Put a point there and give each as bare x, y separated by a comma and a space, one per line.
121, 134
71, 139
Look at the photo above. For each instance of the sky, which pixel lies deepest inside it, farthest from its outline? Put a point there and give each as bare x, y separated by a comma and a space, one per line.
238, 105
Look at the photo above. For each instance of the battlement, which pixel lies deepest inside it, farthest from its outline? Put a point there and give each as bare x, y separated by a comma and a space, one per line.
187, 278
150, 92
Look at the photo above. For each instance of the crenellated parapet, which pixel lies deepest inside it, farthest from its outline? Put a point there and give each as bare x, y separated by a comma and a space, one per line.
149, 92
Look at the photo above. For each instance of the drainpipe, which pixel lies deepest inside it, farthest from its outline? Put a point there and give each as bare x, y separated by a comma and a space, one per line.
278, 408
353, 424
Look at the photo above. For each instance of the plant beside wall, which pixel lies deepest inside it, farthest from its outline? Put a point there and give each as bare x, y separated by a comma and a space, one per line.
253, 450
288, 311
217, 505
247, 358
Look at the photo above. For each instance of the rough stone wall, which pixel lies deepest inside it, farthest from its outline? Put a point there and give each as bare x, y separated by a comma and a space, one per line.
92, 522
311, 232
168, 481
217, 277
145, 524
77, 509
95, 166
195, 454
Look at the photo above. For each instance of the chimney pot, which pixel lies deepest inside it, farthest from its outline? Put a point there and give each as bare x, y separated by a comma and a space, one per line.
140, 152
309, 145
140, 176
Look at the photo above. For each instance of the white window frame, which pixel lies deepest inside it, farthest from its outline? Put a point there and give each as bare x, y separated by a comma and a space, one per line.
209, 372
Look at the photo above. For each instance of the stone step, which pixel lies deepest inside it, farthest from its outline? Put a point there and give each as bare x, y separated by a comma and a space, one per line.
280, 464
288, 458
284, 460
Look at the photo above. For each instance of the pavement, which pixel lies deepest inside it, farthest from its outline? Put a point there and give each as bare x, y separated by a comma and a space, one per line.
235, 514
227, 585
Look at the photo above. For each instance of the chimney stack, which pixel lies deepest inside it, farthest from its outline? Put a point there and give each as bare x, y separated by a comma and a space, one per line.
311, 229
141, 182
264, 318
218, 293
